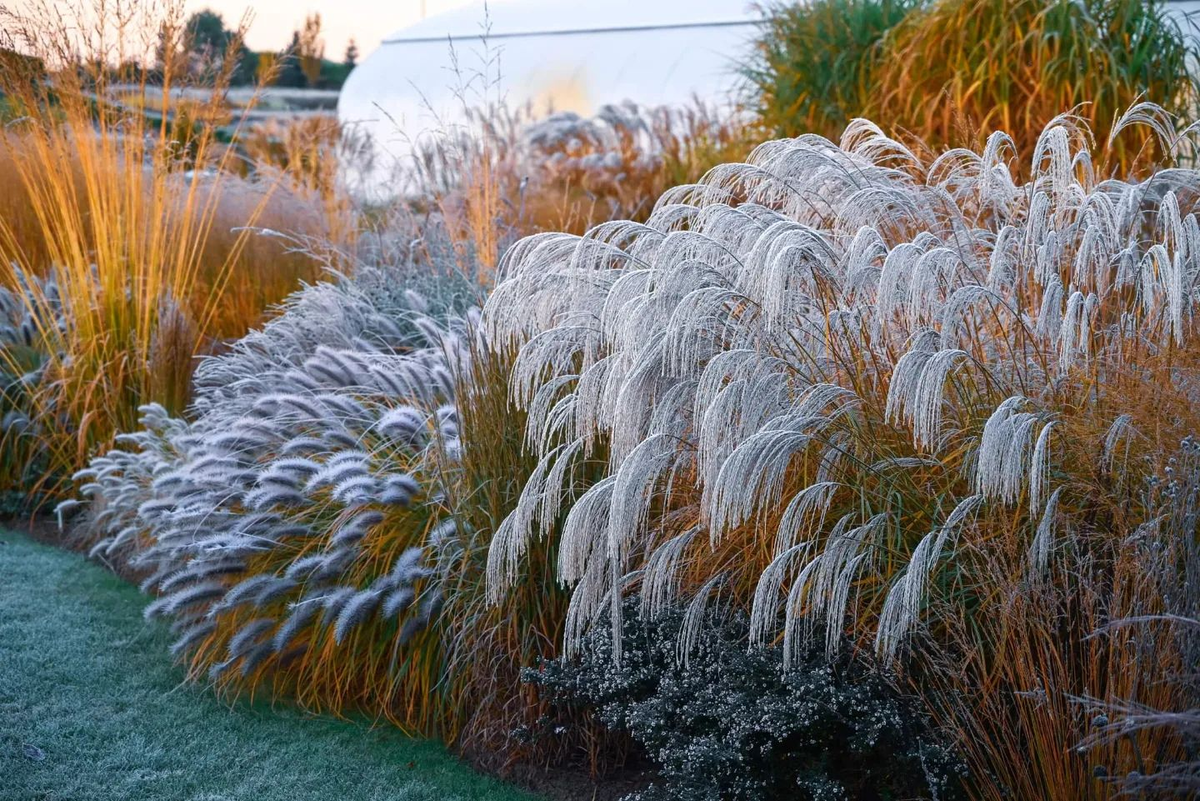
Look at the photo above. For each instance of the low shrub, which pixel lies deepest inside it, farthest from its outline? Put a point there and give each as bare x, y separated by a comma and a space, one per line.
724, 722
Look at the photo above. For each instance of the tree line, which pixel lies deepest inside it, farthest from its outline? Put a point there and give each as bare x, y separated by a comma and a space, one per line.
207, 43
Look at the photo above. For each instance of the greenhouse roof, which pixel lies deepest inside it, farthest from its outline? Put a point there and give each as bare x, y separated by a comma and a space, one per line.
518, 18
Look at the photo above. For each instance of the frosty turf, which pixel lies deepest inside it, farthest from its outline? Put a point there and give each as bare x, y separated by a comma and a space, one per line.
93, 711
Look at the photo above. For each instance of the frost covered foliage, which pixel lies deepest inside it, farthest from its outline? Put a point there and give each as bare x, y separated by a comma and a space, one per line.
585, 170
286, 529
839, 361
29, 312
833, 382
735, 724
1177, 496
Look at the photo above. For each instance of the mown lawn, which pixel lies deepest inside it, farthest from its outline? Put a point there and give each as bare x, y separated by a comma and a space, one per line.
92, 708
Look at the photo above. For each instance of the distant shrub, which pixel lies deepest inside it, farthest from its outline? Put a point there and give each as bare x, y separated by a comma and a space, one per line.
727, 723
955, 68
615, 165
812, 68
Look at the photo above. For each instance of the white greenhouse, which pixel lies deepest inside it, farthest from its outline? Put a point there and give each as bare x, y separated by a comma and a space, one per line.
549, 55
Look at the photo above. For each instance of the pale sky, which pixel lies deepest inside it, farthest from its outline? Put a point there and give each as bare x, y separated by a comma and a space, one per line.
368, 21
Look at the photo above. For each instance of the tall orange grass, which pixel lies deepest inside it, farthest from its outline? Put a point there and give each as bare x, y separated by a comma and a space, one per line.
134, 213
944, 73
1021, 690
956, 68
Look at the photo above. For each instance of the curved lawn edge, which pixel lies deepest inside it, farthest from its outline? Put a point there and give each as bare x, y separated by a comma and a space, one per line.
92, 708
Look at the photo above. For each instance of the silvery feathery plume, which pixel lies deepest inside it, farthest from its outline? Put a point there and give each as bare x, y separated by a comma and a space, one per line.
902, 608
293, 440
356, 610
1004, 461
299, 616
1043, 540
661, 580
693, 620
248, 636
811, 261
399, 490
356, 528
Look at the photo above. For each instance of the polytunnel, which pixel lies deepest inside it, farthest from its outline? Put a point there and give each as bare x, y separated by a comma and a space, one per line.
543, 56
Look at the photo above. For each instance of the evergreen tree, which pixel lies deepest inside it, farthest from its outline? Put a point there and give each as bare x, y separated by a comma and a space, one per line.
290, 74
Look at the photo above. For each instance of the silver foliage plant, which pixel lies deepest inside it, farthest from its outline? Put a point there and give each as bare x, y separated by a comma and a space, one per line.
306, 437
597, 145
850, 311
30, 315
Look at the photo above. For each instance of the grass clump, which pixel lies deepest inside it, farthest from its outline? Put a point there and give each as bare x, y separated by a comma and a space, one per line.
288, 529
942, 73
851, 392
490, 639
320, 529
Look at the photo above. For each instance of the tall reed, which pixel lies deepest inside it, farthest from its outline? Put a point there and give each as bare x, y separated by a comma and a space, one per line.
130, 209
958, 68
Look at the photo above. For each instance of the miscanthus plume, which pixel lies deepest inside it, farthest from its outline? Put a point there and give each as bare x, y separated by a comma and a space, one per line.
822, 378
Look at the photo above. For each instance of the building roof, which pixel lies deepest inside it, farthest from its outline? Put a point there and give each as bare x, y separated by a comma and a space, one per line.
516, 18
